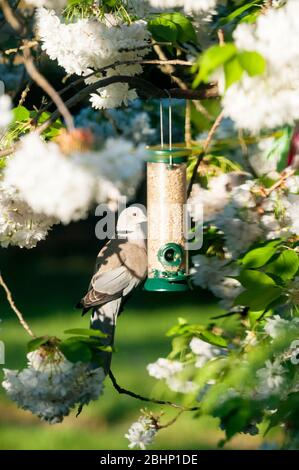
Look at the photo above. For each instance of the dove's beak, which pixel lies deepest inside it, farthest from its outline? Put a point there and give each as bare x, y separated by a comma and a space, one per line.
143, 219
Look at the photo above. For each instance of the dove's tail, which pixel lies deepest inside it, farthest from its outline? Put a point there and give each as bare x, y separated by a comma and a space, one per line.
104, 319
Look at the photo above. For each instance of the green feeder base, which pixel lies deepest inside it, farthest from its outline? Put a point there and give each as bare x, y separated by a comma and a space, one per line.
161, 284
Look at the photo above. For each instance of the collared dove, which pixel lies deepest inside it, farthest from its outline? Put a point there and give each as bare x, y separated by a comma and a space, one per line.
120, 266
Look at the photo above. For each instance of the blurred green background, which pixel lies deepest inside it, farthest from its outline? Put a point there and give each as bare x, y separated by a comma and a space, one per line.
46, 283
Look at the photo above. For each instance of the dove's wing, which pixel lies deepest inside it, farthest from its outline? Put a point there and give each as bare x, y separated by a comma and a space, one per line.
112, 282
111, 278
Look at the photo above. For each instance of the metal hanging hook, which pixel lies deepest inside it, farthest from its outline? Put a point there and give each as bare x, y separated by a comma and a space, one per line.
169, 124
161, 125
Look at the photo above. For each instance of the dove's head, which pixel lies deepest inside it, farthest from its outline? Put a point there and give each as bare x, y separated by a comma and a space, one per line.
130, 224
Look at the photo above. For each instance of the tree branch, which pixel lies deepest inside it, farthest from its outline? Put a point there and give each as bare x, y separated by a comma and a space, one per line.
148, 89
11, 17
43, 83
14, 307
121, 390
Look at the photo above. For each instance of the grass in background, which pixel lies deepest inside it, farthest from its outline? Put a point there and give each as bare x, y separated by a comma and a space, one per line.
46, 288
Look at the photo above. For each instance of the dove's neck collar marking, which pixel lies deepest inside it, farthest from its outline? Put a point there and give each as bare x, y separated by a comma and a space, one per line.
135, 236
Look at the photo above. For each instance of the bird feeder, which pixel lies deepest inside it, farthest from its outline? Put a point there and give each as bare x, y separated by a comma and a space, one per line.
166, 202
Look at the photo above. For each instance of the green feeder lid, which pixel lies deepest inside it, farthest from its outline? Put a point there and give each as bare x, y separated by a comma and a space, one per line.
165, 154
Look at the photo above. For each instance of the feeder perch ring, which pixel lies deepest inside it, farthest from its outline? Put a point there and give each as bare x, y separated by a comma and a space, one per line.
171, 254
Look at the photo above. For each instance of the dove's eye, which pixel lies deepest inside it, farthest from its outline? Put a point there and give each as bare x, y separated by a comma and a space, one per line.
134, 214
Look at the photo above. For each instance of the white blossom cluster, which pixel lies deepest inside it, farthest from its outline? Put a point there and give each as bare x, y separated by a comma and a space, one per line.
276, 326
170, 371
49, 182
51, 386
119, 168
213, 273
142, 433
215, 197
204, 352
271, 378
88, 45
55, 4
64, 187
250, 216
271, 99
173, 372
19, 225
190, 6
244, 215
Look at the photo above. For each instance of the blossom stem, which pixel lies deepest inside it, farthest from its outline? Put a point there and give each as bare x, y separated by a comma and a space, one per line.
14, 307
122, 390
171, 422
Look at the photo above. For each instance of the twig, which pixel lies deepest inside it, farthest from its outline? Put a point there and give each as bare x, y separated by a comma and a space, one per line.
171, 422
284, 175
220, 35
14, 308
201, 109
11, 17
205, 148
24, 94
43, 83
121, 390
28, 44
7, 152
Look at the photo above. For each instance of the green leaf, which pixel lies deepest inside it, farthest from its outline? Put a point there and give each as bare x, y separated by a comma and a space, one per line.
259, 256
233, 71
253, 62
185, 329
239, 11
281, 146
75, 351
258, 299
252, 279
285, 266
106, 348
211, 59
211, 338
110, 3
179, 344
21, 114
85, 332
37, 343
163, 30
185, 29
